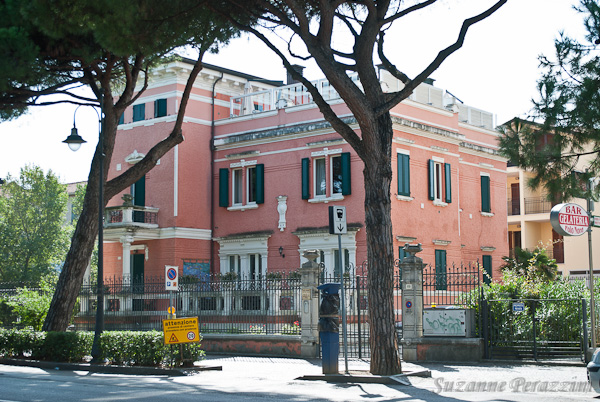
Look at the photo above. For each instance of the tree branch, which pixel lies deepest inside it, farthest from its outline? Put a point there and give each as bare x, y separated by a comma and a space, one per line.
397, 97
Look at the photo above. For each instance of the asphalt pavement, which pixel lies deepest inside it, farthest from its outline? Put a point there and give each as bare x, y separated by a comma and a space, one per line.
242, 378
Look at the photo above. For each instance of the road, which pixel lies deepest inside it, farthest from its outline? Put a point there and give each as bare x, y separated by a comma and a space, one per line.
270, 379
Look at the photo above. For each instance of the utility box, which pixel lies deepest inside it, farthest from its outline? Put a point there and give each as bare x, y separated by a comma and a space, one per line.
449, 322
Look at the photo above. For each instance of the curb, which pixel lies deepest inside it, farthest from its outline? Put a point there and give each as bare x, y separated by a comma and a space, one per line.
110, 369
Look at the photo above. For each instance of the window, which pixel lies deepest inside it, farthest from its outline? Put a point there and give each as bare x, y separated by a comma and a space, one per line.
245, 256
236, 186
247, 186
336, 259
440, 270
139, 112
234, 265
160, 107
251, 178
485, 194
320, 178
330, 176
487, 269
404, 174
255, 267
440, 182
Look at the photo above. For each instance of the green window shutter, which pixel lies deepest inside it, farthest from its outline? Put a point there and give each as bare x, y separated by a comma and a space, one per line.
224, 187
485, 194
305, 178
160, 107
487, 269
431, 181
404, 175
448, 182
122, 118
440, 270
139, 112
346, 175
260, 183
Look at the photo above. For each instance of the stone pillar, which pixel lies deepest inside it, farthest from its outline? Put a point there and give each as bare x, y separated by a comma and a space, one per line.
412, 301
309, 314
126, 240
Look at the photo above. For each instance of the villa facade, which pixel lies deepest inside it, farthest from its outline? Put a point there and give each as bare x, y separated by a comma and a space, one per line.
249, 188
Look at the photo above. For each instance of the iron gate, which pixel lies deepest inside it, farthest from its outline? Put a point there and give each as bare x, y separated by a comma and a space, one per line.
536, 329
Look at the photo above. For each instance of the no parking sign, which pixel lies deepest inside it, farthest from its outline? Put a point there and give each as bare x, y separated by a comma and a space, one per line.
171, 277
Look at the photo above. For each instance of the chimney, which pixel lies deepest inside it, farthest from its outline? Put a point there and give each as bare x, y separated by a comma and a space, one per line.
298, 68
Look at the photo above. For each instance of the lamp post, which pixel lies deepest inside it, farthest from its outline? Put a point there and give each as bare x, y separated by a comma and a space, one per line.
74, 141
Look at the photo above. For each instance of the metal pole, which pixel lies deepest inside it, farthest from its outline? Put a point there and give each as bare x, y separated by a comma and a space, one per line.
100, 305
590, 206
341, 260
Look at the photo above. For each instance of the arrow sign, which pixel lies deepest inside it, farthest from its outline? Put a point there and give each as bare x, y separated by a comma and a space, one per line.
337, 220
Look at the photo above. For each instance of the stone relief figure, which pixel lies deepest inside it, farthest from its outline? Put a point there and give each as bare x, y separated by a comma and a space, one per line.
282, 209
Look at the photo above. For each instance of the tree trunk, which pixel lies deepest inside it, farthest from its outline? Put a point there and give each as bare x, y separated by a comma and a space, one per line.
385, 359
77, 259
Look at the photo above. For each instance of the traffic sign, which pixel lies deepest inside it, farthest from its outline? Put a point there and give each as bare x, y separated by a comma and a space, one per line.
181, 330
171, 277
337, 220
596, 221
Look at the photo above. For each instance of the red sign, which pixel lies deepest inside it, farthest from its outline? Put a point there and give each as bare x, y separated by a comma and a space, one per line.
569, 219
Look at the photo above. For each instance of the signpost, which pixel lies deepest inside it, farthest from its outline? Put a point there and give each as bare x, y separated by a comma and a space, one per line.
171, 284
339, 226
573, 220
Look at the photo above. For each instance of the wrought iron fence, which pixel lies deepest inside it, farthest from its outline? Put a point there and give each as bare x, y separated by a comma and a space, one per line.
223, 304
456, 285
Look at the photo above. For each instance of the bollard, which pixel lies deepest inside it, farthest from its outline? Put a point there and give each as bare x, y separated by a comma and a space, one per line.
329, 327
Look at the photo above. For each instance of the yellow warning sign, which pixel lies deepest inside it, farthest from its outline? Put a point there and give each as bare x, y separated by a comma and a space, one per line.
181, 330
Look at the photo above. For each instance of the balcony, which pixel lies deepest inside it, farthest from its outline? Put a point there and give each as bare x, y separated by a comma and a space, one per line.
297, 95
131, 216
537, 205
280, 98
533, 205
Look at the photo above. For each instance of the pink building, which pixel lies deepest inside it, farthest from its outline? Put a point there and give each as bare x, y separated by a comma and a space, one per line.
249, 188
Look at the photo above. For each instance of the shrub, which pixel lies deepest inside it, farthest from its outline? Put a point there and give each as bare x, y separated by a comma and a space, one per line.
64, 346
117, 347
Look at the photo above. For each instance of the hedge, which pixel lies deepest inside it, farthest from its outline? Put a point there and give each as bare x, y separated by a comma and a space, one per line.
116, 347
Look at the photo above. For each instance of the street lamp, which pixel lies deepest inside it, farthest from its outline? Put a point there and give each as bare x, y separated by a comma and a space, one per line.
74, 141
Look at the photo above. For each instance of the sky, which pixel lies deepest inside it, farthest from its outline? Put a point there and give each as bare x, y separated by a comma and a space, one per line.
496, 70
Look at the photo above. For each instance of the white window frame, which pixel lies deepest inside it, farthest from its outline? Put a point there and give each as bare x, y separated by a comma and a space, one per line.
237, 179
317, 184
241, 168
438, 182
326, 155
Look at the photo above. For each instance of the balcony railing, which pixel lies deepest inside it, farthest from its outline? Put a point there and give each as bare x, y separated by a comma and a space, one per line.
281, 97
537, 205
131, 216
513, 206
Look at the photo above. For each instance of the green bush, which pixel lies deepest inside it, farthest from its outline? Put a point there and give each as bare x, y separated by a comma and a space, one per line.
116, 347
19, 342
64, 346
